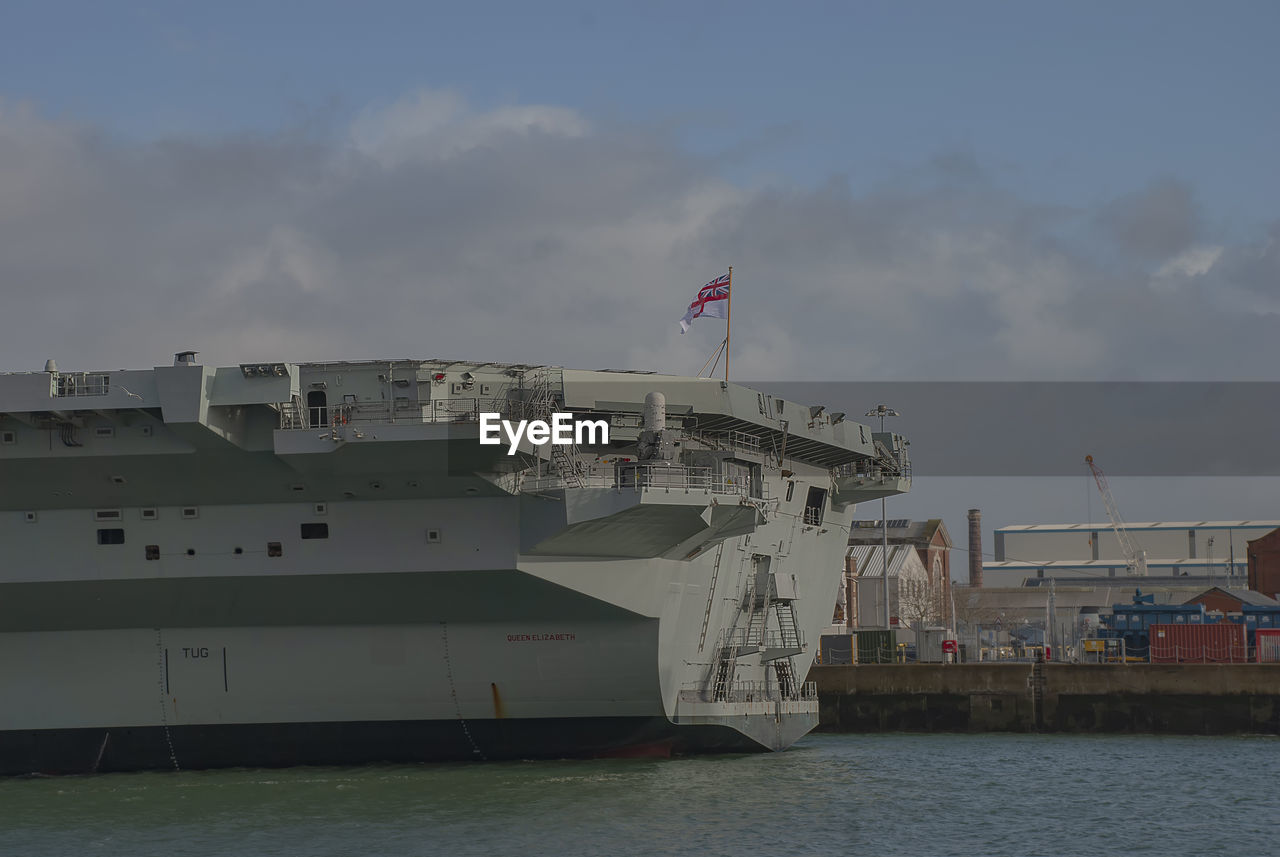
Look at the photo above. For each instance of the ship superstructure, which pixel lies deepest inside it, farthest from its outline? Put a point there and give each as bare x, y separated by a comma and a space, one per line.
279, 563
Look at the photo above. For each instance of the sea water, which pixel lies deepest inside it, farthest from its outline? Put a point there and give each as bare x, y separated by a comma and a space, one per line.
830, 794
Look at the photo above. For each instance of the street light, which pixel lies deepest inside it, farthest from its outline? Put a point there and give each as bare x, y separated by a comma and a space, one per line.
881, 410
1209, 560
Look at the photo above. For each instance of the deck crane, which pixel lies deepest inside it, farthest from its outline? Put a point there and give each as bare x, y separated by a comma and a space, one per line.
1135, 559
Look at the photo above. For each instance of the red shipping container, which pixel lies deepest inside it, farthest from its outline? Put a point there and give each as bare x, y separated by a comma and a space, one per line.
1219, 643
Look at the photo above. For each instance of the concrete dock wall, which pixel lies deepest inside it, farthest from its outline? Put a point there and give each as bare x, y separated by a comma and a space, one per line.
1172, 698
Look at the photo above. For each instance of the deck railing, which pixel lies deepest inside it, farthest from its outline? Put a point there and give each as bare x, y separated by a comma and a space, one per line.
872, 468
464, 409
671, 478
81, 384
750, 691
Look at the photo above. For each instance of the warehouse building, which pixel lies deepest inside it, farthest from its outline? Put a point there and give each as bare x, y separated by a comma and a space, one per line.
1216, 550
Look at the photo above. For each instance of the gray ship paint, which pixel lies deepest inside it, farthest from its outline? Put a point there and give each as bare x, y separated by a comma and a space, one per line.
371, 582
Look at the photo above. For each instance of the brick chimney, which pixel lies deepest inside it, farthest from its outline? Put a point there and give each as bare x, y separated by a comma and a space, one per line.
975, 547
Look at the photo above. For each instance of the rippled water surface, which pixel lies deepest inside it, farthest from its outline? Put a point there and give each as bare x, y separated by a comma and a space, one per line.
859, 794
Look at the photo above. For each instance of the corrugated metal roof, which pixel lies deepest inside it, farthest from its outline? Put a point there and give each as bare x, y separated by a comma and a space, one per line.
1027, 565
1147, 525
868, 562
1190, 583
1248, 596
1032, 600
869, 532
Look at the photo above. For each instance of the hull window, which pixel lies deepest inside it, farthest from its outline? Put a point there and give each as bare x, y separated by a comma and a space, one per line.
111, 537
315, 531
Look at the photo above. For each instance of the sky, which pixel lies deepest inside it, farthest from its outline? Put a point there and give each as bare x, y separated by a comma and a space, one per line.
927, 191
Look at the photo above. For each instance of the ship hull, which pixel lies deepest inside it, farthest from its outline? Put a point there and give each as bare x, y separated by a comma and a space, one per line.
444, 666
130, 748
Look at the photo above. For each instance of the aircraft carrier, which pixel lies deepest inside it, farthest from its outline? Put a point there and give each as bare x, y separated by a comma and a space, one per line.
319, 563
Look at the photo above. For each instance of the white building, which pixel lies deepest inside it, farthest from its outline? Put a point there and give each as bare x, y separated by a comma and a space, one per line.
908, 585
1206, 549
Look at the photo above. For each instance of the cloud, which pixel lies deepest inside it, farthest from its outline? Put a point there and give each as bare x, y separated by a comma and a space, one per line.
1154, 222
1192, 262
433, 124
1254, 267
531, 233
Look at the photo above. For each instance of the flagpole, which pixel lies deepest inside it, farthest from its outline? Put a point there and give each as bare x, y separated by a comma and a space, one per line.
728, 320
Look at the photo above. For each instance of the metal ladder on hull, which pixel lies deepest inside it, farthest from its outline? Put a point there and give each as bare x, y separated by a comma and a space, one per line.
711, 596
722, 683
786, 676
788, 627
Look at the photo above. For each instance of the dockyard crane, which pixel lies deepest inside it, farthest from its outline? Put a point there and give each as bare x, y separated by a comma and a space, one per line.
1135, 559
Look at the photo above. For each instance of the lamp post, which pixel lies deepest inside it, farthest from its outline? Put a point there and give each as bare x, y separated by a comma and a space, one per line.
882, 411
1209, 559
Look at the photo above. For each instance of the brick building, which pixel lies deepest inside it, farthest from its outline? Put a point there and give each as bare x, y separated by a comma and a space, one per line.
1264, 564
932, 544
1230, 600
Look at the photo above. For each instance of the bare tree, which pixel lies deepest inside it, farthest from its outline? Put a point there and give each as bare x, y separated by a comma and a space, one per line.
917, 602
918, 605
972, 615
